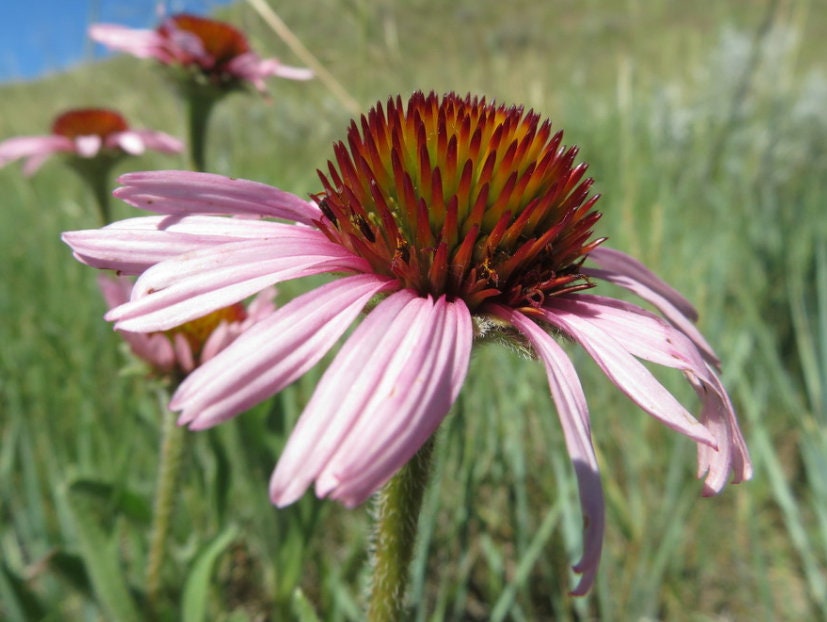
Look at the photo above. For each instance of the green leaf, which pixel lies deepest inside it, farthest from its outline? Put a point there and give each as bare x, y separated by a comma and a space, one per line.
71, 568
302, 608
19, 602
119, 500
526, 563
197, 588
100, 556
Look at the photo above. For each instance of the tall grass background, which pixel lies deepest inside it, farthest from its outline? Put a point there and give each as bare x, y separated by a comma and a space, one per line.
705, 126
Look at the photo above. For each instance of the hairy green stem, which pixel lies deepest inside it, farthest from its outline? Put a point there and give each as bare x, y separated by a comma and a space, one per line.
172, 443
397, 514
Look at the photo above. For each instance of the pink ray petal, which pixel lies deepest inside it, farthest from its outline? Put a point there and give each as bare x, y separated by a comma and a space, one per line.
412, 395
220, 338
116, 291
342, 392
274, 352
35, 148
573, 413
159, 141
156, 349
273, 67
645, 335
623, 264
88, 146
672, 313
130, 142
183, 352
732, 456
138, 42
33, 163
189, 286
132, 246
250, 67
187, 193
625, 371
260, 307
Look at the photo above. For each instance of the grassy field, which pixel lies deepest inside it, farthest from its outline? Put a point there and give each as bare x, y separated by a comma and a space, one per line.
705, 127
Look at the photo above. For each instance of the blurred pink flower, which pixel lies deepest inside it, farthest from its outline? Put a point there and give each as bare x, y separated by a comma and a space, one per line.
86, 133
178, 351
451, 220
217, 52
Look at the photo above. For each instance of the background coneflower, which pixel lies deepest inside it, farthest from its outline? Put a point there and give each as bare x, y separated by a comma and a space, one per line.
206, 60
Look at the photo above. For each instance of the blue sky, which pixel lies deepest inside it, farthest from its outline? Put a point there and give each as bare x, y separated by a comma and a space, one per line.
43, 36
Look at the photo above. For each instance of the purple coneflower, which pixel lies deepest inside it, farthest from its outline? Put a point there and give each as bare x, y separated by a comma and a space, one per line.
206, 59
171, 355
451, 219
93, 140
178, 351
86, 133
216, 52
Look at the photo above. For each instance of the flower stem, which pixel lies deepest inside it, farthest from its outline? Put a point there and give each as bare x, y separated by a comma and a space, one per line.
199, 109
95, 173
397, 514
102, 191
172, 443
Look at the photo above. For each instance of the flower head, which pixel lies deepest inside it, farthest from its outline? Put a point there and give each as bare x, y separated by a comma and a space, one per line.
210, 52
178, 351
454, 218
85, 134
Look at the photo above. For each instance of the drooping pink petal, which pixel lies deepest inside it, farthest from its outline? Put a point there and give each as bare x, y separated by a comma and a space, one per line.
184, 288
623, 369
645, 335
132, 246
188, 193
621, 263
718, 415
412, 395
274, 352
384, 339
672, 313
35, 148
573, 413
138, 42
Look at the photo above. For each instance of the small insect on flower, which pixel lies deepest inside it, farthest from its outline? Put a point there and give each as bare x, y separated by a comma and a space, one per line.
462, 217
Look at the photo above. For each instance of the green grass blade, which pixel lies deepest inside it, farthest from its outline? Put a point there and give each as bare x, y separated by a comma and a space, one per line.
100, 556
197, 589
